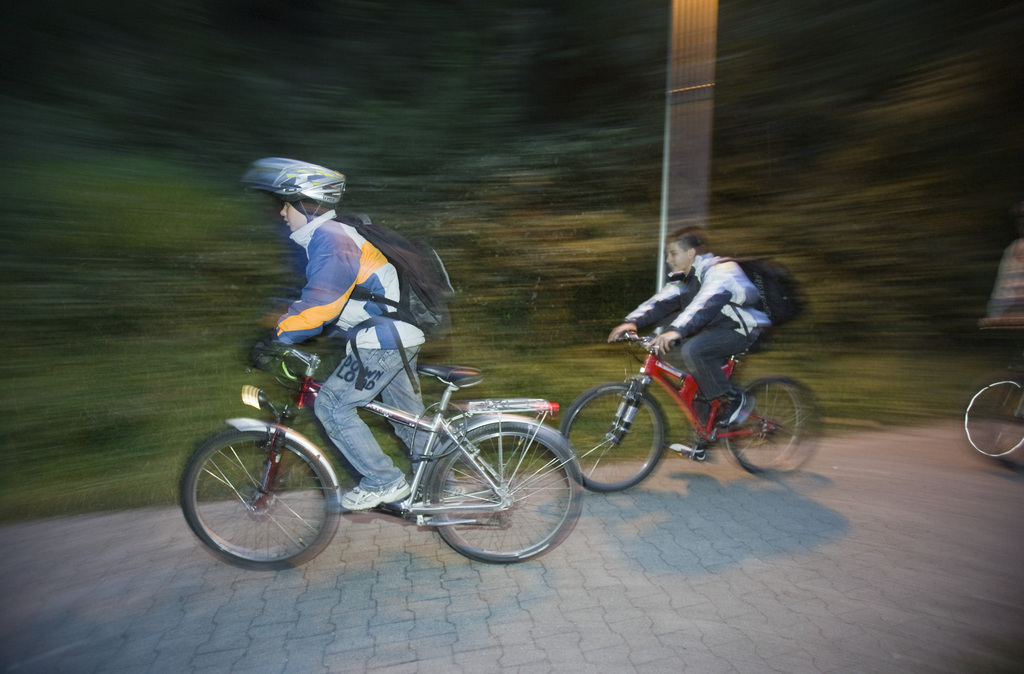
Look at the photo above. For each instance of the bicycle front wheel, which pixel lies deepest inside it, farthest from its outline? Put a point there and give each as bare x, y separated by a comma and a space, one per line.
781, 433
619, 442
993, 420
226, 505
539, 499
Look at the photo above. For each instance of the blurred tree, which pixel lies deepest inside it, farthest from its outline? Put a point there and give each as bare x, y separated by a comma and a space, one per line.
878, 140
875, 145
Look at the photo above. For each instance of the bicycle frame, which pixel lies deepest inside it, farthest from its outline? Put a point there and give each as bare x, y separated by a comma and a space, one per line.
686, 394
445, 435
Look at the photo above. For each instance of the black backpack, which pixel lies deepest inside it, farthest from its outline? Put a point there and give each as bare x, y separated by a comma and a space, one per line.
778, 293
426, 288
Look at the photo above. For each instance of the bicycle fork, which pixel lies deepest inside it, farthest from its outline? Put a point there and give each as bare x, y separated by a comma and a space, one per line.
628, 408
262, 497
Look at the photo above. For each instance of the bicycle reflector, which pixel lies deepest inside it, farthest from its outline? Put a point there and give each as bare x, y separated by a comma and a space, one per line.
549, 407
251, 396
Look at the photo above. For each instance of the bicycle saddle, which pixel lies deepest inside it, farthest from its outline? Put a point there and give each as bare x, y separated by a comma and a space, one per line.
453, 375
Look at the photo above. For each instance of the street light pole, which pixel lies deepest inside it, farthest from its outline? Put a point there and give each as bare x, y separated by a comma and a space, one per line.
689, 111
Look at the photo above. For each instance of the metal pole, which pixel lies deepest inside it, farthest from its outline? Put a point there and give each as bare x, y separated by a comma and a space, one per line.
689, 110
666, 153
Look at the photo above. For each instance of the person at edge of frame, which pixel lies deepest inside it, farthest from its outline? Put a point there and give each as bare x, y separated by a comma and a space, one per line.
1006, 304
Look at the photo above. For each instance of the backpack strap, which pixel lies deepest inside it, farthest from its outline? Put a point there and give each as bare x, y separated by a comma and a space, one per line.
362, 294
413, 379
360, 382
755, 333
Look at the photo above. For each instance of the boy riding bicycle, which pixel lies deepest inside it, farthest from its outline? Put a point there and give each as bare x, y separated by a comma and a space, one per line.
339, 261
716, 318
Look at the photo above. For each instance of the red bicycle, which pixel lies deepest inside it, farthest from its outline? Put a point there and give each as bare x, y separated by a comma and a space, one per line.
618, 429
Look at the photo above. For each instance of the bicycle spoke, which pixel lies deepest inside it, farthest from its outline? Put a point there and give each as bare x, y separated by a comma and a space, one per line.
286, 524
780, 434
539, 500
992, 421
219, 474
595, 420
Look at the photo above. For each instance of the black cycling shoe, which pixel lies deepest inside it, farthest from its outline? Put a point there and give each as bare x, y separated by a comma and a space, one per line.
736, 408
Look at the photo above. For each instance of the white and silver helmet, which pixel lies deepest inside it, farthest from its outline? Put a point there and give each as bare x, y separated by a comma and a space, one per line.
293, 180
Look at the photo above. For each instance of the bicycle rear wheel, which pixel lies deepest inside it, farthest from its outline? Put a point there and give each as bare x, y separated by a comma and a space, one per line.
993, 419
619, 443
781, 433
224, 505
535, 469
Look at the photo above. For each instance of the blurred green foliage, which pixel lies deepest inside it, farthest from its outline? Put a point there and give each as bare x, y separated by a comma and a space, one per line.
873, 148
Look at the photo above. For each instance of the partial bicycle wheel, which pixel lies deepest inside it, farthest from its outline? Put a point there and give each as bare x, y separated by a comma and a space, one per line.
782, 431
245, 525
993, 419
539, 499
618, 442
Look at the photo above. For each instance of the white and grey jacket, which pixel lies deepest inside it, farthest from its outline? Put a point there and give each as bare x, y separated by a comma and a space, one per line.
715, 292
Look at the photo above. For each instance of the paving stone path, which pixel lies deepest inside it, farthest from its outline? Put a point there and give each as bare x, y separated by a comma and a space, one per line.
895, 551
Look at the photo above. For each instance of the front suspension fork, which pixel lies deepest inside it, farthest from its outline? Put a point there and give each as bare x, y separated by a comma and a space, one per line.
628, 408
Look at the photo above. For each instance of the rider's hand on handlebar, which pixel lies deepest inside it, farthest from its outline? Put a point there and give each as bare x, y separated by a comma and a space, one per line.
664, 342
619, 331
267, 352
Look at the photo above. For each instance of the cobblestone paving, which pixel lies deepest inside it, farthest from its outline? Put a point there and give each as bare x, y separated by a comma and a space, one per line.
894, 551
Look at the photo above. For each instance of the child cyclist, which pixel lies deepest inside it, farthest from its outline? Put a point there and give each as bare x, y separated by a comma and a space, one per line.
716, 318
339, 260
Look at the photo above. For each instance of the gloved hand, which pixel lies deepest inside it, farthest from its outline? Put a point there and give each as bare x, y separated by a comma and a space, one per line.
266, 352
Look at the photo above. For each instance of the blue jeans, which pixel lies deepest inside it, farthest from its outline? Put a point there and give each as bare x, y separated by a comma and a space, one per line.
706, 352
338, 401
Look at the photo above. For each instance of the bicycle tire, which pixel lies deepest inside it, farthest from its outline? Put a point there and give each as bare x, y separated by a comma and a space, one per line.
537, 468
223, 505
784, 427
589, 424
992, 420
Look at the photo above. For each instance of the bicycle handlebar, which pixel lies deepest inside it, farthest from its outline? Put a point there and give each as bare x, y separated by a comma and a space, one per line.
310, 360
634, 338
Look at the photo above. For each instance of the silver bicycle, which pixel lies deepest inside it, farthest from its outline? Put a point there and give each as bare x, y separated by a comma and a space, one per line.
496, 483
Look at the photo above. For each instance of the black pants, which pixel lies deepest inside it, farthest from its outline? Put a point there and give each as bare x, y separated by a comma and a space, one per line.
706, 352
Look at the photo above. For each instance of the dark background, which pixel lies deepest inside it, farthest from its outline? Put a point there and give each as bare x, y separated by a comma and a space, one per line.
873, 147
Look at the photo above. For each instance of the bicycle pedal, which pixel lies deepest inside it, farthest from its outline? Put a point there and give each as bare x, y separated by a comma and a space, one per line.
395, 508
692, 453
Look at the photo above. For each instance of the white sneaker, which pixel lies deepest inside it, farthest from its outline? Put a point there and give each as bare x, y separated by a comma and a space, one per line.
364, 499
695, 453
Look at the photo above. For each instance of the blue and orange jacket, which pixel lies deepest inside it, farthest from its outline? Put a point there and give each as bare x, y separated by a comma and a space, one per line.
339, 259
